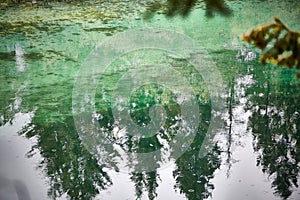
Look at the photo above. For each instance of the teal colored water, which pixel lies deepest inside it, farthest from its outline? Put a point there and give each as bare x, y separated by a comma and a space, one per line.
254, 153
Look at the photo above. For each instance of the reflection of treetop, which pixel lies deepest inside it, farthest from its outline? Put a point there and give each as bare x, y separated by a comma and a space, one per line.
184, 7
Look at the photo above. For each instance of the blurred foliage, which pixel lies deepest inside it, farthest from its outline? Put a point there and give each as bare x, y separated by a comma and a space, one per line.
168, 7
184, 7
279, 44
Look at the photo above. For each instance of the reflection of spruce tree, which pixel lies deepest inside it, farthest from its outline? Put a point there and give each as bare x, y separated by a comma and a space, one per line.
275, 126
145, 180
69, 166
193, 173
229, 138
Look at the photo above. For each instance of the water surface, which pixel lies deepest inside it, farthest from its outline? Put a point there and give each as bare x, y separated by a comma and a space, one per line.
256, 154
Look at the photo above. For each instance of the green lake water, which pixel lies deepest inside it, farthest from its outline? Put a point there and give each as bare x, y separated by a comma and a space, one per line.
253, 134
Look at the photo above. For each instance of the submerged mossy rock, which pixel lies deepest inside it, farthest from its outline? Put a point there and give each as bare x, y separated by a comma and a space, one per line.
28, 18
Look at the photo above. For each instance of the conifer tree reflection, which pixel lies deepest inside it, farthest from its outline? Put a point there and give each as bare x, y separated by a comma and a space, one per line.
145, 181
193, 172
275, 126
69, 166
